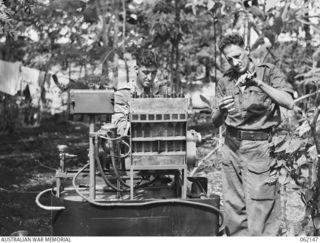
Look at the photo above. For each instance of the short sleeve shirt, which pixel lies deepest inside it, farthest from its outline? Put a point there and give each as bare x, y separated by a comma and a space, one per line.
121, 107
254, 109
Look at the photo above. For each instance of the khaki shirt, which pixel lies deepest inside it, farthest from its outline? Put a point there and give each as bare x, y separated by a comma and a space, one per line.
121, 108
254, 109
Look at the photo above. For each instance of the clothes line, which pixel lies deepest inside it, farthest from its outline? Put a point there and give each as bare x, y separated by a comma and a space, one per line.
15, 78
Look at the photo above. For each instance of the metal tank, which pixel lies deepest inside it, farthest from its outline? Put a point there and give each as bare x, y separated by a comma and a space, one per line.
134, 184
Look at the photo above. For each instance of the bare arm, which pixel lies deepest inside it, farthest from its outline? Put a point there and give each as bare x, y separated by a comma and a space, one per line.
277, 93
121, 110
283, 98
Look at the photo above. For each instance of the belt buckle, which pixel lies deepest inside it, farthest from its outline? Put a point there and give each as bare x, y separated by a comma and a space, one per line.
252, 136
247, 135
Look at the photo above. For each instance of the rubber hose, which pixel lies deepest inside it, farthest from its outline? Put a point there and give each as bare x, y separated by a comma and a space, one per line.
104, 177
108, 182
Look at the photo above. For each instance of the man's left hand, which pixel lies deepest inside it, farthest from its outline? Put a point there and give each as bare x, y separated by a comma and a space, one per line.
247, 79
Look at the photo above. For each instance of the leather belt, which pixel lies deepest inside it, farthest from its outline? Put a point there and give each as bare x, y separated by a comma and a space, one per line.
253, 135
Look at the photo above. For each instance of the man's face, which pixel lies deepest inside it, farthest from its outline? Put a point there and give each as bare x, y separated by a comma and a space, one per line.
237, 57
146, 76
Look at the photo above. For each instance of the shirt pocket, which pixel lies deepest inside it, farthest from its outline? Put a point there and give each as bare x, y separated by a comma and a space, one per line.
258, 174
255, 100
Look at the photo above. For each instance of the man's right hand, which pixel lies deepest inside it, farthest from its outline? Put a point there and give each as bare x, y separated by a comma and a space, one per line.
226, 104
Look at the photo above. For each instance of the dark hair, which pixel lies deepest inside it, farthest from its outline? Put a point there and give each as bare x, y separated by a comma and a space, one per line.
146, 57
230, 39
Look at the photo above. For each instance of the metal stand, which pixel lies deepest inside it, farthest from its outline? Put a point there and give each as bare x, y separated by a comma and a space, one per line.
92, 183
181, 168
61, 170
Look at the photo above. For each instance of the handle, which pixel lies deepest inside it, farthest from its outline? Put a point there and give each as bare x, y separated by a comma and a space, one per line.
50, 208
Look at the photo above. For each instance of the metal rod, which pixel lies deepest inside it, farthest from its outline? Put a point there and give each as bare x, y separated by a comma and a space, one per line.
184, 183
58, 185
92, 184
60, 170
131, 182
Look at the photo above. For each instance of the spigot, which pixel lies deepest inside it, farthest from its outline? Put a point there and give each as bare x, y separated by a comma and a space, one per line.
62, 155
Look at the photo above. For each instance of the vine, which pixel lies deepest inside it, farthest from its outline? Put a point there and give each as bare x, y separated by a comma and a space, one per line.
297, 153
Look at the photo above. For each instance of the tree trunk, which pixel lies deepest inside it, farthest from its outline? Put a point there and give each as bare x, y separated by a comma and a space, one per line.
215, 50
7, 55
115, 44
176, 47
104, 33
306, 28
124, 38
176, 73
171, 67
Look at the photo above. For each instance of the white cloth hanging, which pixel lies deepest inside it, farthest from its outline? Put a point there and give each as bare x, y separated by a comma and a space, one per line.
9, 77
30, 76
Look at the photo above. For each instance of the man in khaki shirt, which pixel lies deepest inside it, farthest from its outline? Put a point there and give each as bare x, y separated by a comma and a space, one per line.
249, 99
147, 66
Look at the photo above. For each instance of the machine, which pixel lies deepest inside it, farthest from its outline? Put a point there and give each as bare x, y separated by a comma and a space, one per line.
135, 184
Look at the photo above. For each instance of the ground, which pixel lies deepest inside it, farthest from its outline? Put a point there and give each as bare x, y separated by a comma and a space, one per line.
28, 159
29, 156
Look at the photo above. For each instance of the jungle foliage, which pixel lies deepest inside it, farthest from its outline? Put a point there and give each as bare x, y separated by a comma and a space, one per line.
185, 33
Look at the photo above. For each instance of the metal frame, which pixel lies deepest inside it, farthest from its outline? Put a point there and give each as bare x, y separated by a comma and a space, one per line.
152, 111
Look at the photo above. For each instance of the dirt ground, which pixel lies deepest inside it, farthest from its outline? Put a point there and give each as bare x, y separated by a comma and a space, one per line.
29, 156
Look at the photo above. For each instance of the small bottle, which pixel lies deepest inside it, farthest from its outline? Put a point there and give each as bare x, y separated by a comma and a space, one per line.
182, 129
135, 130
142, 130
183, 145
177, 129
146, 130
147, 146
170, 132
154, 146
134, 149
170, 146
138, 130
139, 147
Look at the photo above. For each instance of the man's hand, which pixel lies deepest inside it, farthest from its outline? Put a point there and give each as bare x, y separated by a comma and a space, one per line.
226, 104
246, 79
